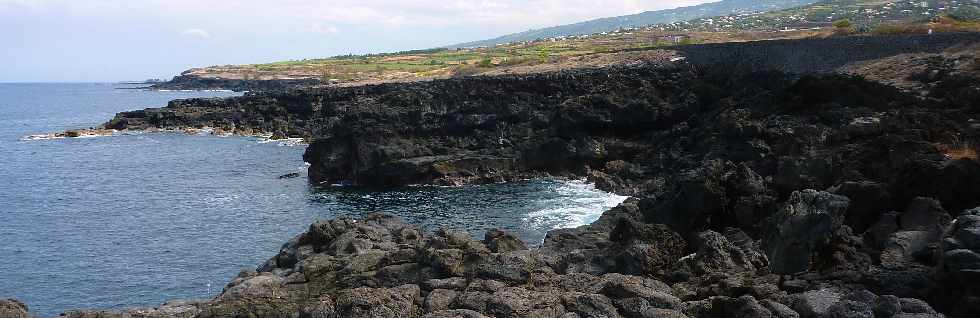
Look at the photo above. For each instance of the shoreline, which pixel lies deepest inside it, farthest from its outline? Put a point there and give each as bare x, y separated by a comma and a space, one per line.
205, 131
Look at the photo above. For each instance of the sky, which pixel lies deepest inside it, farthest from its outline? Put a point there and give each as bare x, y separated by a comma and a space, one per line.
121, 40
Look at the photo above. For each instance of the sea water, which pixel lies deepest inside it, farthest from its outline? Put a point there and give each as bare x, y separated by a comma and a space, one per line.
138, 219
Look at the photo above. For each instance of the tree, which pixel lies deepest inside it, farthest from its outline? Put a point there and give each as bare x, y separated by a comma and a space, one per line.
487, 62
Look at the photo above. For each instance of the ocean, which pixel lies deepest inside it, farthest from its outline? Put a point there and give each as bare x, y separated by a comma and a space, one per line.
141, 218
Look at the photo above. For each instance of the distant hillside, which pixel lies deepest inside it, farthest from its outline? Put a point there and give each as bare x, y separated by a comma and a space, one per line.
721, 8
865, 15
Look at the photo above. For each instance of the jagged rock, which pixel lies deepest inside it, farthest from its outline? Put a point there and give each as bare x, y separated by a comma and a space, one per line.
439, 299
323, 307
743, 307
649, 248
519, 302
452, 283
653, 293
172, 309
904, 247
924, 214
640, 308
802, 226
869, 200
856, 304
813, 304
779, 310
590, 305
456, 313
717, 255
887, 306
12, 308
290, 175
266, 285
878, 234
695, 195
514, 266
379, 302
501, 242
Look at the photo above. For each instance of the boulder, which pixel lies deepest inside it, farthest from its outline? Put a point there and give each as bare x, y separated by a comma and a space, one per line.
455, 313
379, 302
646, 248
717, 255
654, 295
12, 308
802, 226
905, 247
779, 310
590, 305
924, 214
814, 303
520, 302
743, 307
439, 299
640, 308
869, 200
501, 242
513, 267
323, 307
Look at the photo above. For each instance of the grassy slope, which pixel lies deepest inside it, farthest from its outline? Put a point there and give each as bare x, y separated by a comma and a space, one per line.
867, 15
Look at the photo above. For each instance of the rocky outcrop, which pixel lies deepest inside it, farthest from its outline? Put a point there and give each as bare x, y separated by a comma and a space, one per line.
194, 82
280, 116
12, 308
383, 267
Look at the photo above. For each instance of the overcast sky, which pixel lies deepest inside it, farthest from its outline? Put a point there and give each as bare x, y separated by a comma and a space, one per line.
114, 40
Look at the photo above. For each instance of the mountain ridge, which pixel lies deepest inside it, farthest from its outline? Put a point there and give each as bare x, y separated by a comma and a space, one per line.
719, 8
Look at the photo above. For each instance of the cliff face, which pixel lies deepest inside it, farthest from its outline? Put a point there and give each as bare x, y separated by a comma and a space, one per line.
791, 195
193, 82
282, 115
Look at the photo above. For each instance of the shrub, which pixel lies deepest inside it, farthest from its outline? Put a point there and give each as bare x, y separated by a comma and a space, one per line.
843, 24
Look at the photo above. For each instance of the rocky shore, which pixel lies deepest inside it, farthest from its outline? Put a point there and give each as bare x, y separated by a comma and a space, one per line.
755, 194
192, 82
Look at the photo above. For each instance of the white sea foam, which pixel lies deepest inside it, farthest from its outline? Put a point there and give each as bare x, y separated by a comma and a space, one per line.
41, 137
82, 135
577, 203
288, 142
194, 90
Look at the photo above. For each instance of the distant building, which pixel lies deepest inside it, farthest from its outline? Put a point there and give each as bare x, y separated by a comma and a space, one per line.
803, 25
673, 38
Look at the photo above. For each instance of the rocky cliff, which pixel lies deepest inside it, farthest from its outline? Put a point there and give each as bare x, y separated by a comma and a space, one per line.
756, 194
193, 82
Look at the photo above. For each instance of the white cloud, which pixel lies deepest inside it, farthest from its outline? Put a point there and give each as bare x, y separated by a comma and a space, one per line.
320, 28
196, 33
381, 13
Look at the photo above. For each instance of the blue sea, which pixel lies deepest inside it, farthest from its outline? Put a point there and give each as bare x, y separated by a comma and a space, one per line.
138, 219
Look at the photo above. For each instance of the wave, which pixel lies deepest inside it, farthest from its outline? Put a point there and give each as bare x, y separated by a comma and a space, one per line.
193, 90
577, 203
288, 142
41, 137
79, 135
